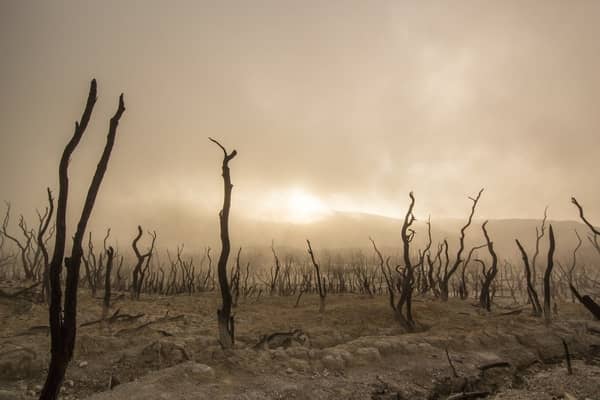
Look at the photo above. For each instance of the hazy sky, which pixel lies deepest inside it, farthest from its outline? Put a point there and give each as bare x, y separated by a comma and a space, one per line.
343, 105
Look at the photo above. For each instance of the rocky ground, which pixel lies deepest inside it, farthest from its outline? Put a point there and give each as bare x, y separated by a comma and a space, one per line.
166, 348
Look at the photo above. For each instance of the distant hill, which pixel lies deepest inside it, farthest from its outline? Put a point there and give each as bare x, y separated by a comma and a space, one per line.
347, 230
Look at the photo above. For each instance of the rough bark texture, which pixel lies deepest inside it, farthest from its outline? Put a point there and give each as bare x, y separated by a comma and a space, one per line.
547, 276
224, 317
531, 292
63, 325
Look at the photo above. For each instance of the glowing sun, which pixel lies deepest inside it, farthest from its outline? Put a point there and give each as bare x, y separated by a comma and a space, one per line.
295, 205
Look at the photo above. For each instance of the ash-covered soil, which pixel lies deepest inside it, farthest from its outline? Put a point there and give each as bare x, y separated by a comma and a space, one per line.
166, 348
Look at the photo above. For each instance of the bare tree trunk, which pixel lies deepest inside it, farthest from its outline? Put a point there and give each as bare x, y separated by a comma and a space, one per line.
484, 299
109, 264
224, 317
406, 285
63, 328
320, 280
547, 275
42, 246
443, 283
531, 292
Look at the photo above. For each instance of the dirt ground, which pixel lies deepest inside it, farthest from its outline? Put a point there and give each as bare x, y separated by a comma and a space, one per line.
166, 348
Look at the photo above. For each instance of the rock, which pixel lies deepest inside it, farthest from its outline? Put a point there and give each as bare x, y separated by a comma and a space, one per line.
341, 353
383, 346
332, 362
163, 353
69, 383
368, 354
298, 352
299, 365
83, 364
202, 371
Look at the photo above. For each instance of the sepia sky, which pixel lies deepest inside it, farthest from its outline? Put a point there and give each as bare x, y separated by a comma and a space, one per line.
332, 105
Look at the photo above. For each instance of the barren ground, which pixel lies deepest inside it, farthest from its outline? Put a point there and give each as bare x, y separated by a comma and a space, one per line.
355, 350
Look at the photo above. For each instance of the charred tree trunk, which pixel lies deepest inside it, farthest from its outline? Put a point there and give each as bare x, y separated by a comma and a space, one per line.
110, 253
443, 282
63, 326
406, 285
274, 275
547, 275
485, 300
42, 246
138, 273
587, 302
224, 317
531, 292
320, 280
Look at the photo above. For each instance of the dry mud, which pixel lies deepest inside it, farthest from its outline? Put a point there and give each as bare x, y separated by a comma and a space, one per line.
355, 350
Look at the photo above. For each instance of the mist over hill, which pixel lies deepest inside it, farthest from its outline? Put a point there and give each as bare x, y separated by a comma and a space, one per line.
343, 231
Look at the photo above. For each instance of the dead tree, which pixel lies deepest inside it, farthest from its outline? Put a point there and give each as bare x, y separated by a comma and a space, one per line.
24, 246
443, 282
593, 229
143, 260
488, 276
235, 280
274, 275
463, 290
568, 272
6, 259
547, 275
320, 280
531, 292
224, 317
42, 247
63, 324
406, 283
586, 300
387, 275
110, 254
539, 235
93, 268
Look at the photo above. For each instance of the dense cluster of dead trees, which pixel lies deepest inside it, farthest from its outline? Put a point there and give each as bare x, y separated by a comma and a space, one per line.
355, 271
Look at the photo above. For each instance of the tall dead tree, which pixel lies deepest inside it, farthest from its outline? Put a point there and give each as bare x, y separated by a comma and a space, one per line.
405, 284
386, 272
586, 300
275, 273
531, 292
547, 276
63, 322
110, 255
224, 317
488, 275
539, 235
138, 272
320, 279
445, 279
592, 228
44, 250
23, 245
